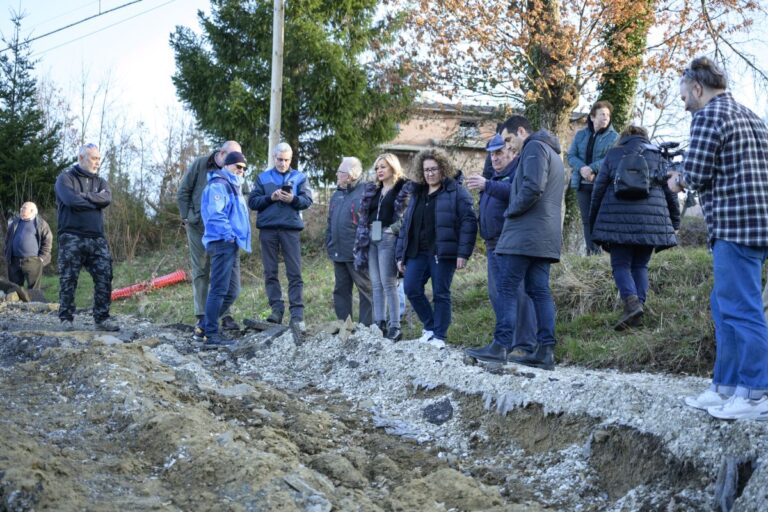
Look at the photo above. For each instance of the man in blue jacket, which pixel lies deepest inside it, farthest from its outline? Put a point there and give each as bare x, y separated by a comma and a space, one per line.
494, 198
227, 230
28, 243
81, 197
278, 196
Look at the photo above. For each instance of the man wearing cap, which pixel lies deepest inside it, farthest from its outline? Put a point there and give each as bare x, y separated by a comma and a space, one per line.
188, 198
494, 198
227, 230
28, 243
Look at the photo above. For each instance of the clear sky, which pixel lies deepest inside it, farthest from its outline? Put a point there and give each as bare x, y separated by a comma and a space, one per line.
130, 45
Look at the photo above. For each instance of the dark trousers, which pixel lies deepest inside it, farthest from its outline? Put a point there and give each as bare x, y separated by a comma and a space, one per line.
224, 282
629, 264
345, 276
584, 198
76, 252
26, 269
288, 242
525, 324
534, 272
417, 271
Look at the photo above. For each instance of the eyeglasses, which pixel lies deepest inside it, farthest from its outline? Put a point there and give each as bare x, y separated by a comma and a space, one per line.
241, 167
431, 170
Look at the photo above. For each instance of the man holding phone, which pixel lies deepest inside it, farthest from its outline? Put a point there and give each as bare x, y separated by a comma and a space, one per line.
278, 196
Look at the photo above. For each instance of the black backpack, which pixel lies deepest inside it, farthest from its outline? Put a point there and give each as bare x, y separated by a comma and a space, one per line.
633, 178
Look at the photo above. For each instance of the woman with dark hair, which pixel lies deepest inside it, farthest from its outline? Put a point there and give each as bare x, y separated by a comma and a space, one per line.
585, 158
437, 237
631, 229
375, 241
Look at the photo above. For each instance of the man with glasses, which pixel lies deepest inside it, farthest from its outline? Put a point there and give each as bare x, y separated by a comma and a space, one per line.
189, 197
727, 164
343, 215
278, 196
81, 197
227, 230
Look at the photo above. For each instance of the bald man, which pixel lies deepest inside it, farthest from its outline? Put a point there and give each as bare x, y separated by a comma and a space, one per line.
28, 244
189, 198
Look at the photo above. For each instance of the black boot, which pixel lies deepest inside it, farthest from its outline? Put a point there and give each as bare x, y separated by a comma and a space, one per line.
633, 310
491, 353
394, 334
276, 317
543, 357
382, 325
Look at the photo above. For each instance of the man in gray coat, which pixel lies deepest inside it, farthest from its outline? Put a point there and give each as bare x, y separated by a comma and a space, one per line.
531, 238
343, 217
189, 197
28, 243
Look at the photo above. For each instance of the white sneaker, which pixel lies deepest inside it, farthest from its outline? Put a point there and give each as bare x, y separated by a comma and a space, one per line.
426, 335
706, 399
740, 408
436, 342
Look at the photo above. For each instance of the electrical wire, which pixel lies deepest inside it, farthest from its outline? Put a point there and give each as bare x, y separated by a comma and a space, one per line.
37, 54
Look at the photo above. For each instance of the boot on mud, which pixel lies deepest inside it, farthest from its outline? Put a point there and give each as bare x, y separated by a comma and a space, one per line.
276, 317
633, 310
107, 325
543, 357
491, 353
228, 323
216, 341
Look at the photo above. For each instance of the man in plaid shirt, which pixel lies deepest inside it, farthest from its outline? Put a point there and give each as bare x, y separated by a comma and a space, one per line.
727, 163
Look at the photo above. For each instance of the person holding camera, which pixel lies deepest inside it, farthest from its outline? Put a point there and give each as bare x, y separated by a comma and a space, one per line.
629, 226
344, 212
279, 195
726, 164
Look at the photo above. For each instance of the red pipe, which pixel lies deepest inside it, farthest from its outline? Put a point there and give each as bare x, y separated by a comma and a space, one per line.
158, 282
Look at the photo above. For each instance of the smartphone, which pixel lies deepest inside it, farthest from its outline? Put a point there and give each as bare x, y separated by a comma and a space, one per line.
288, 189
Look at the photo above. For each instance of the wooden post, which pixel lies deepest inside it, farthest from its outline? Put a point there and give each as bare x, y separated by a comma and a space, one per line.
276, 96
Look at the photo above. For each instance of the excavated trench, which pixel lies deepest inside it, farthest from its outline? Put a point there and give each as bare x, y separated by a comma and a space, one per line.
96, 422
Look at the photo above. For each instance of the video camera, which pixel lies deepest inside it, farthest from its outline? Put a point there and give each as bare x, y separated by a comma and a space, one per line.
668, 153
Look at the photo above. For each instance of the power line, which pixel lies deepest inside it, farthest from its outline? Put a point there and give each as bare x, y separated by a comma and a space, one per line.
74, 24
102, 29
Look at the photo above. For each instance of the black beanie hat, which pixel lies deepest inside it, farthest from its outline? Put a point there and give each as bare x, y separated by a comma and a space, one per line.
234, 157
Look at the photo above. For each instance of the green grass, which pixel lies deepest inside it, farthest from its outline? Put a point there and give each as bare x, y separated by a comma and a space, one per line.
677, 335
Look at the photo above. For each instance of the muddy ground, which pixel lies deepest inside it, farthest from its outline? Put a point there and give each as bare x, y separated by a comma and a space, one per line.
344, 420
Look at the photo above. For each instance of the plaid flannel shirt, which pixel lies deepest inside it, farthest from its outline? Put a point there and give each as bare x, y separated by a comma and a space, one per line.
727, 163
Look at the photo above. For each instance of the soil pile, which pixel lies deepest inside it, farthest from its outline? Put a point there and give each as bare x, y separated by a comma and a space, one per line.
344, 420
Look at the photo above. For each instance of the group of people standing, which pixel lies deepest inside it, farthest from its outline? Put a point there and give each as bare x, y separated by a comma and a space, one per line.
424, 227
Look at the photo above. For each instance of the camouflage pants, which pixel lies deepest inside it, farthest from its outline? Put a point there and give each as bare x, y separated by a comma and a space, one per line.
76, 252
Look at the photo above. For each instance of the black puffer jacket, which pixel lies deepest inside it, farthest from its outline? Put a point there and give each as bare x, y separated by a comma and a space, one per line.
455, 221
650, 221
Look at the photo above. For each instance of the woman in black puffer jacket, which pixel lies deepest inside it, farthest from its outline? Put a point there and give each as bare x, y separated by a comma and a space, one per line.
631, 229
437, 237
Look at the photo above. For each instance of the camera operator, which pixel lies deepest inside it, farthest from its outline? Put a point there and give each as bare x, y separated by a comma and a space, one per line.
727, 163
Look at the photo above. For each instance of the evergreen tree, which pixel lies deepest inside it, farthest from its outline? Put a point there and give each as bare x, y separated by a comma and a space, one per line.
344, 89
31, 156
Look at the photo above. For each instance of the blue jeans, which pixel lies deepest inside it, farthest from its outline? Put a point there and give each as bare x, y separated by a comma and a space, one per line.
741, 360
383, 272
525, 324
417, 271
534, 272
630, 269
225, 282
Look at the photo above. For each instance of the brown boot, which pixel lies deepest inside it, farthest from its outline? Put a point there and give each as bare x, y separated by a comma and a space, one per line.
633, 310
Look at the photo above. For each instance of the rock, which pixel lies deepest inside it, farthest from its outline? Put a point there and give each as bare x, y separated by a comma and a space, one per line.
439, 412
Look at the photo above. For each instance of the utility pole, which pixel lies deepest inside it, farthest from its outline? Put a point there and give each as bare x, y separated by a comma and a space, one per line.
276, 97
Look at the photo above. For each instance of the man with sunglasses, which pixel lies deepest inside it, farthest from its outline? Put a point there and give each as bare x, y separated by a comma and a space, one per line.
227, 230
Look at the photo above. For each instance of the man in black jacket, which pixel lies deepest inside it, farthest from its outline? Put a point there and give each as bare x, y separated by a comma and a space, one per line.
81, 196
28, 247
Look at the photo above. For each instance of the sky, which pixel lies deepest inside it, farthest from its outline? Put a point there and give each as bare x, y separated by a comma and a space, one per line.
130, 45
